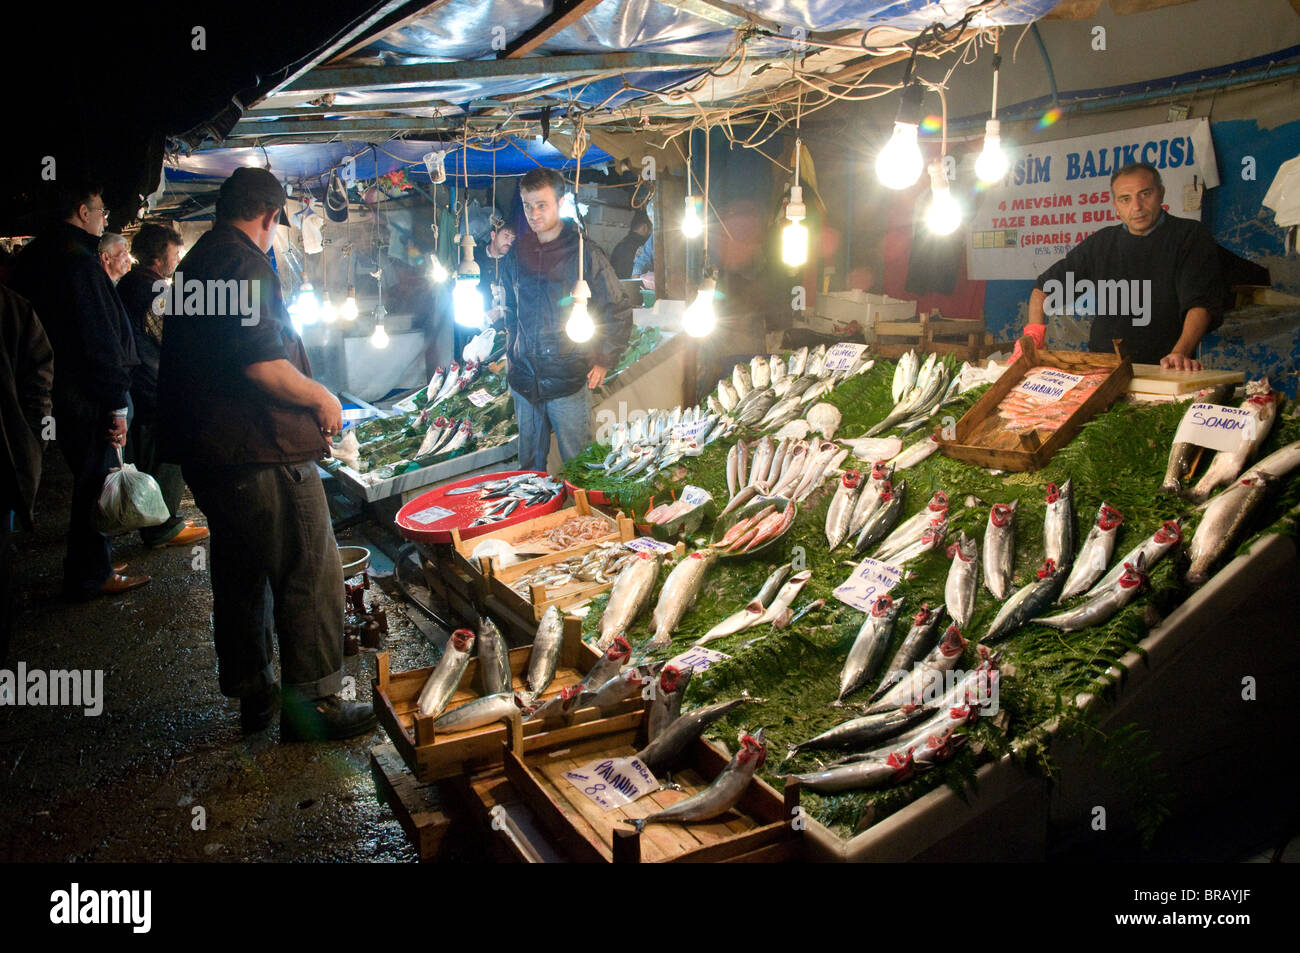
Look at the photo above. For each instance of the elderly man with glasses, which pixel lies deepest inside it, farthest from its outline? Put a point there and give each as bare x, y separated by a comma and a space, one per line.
62, 275
114, 256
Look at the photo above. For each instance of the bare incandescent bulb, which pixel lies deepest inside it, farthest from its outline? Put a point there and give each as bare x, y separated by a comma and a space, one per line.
698, 320
944, 214
580, 327
991, 166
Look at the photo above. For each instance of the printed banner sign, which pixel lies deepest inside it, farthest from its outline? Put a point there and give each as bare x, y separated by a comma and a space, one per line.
1058, 193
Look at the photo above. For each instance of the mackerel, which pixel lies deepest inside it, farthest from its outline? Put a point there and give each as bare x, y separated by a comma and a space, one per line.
1027, 603
868, 649
910, 530
666, 702
1150, 551
616, 690
1058, 526
860, 775
931, 539
866, 730
869, 496
1095, 555
498, 706
1000, 548
444, 681
963, 580
672, 740
911, 687
883, 519
840, 512
679, 593
1102, 607
921, 638
720, 796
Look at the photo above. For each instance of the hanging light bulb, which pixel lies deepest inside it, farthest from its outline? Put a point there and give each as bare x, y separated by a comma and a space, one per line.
692, 223
899, 164
467, 300
306, 308
329, 313
991, 166
698, 320
379, 338
436, 270
794, 237
580, 327
349, 310
944, 214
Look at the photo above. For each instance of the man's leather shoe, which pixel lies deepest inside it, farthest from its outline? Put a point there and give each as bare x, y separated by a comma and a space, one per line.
324, 719
118, 584
257, 708
189, 534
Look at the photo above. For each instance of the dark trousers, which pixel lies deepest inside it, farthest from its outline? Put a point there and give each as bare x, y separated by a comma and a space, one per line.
275, 574
81, 434
7, 608
142, 450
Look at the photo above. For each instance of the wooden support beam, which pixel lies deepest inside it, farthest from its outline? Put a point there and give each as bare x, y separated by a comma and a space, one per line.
563, 14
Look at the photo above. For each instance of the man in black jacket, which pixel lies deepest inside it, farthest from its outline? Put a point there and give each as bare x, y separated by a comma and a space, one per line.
239, 411
61, 275
157, 251
547, 369
1153, 280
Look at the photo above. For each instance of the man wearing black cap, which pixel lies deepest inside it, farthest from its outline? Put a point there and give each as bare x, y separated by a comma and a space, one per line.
239, 411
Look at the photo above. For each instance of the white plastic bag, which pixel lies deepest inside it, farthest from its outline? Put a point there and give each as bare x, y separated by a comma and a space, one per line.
129, 500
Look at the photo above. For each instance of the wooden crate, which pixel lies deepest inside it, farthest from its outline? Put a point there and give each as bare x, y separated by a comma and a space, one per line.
980, 439
759, 827
966, 340
432, 756
460, 549
416, 805
541, 598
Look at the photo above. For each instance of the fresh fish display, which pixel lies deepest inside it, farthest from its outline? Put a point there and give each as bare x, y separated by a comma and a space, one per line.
921, 399
866, 730
1151, 550
745, 496
918, 452
761, 463
1101, 608
904, 375
666, 703
616, 690
910, 688
740, 380
1262, 402
1022, 411
720, 796
671, 741
860, 775
445, 679
798, 361
493, 658
561, 706
911, 529
962, 584
1279, 463
825, 419
873, 448
499, 706
840, 512
1058, 526
679, 592
785, 598
1223, 525
869, 496
607, 665
931, 539
1027, 603
777, 368
757, 529
759, 372
868, 649
597, 565
545, 655
629, 597
1094, 557
1000, 548
502, 496
921, 638
753, 611
883, 519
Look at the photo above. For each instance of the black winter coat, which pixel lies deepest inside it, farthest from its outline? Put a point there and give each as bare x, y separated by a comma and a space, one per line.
543, 363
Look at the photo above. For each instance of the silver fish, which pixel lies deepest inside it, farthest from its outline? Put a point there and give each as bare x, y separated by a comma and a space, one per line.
1000, 548
1227, 465
1058, 526
759, 372
922, 450
866, 730
777, 368
727, 395
481, 711
869, 496
860, 775
740, 380
931, 539
1100, 608
628, 597
868, 649
742, 465
671, 741
921, 638
493, 658
753, 612
1151, 550
1224, 524
911, 529
558, 707
463, 433
962, 585
783, 599
798, 362
1279, 463
720, 796
1095, 555
733, 457
444, 681
616, 690
910, 689
763, 452
666, 702
679, 592
607, 665
545, 655
883, 519
840, 511
746, 494
435, 384
1027, 603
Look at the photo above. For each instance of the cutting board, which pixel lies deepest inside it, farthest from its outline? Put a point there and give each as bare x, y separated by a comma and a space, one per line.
1154, 379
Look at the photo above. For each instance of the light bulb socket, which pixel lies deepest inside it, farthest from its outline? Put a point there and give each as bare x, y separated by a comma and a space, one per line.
910, 108
938, 176
993, 129
795, 210
468, 266
581, 290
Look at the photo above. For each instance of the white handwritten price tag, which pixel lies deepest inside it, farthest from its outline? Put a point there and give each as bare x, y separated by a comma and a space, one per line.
844, 355
645, 544
689, 432
1049, 384
694, 496
1215, 427
871, 580
431, 515
613, 782
698, 658
480, 398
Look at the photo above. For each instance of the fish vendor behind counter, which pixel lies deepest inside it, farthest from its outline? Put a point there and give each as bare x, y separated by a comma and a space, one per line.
1153, 280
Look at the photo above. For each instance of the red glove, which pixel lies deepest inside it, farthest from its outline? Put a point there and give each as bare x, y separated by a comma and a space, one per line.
1036, 331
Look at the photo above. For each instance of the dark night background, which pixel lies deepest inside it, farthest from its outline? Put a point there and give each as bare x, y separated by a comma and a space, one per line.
100, 89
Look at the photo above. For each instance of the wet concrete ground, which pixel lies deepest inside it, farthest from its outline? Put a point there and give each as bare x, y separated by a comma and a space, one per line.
128, 784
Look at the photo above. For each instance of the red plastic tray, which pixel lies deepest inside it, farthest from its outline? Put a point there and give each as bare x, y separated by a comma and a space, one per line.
465, 508
595, 497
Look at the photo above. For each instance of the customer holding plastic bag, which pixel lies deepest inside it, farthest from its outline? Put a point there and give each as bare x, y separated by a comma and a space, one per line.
239, 411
